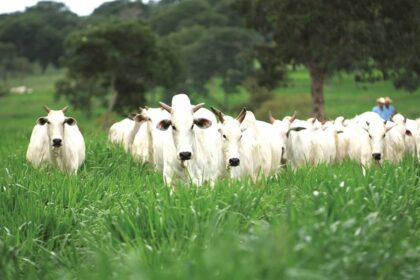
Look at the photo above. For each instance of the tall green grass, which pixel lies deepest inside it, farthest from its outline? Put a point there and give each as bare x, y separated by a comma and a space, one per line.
116, 219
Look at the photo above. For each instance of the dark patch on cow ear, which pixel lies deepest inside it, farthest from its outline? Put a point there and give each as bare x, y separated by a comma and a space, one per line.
70, 121
138, 118
408, 132
202, 123
295, 129
42, 121
163, 125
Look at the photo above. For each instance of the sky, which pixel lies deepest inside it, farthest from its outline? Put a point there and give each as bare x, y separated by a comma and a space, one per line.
80, 7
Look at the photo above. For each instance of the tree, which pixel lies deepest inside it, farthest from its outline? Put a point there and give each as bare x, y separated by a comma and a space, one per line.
39, 32
325, 36
213, 40
123, 58
124, 9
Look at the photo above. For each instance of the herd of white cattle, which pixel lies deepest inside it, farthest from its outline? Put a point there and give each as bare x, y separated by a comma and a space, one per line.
193, 144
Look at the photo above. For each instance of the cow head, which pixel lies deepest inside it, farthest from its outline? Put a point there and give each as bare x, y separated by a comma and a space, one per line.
55, 122
182, 123
231, 130
377, 132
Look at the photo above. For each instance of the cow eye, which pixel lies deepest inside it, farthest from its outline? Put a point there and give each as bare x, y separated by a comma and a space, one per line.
370, 136
383, 136
192, 126
224, 136
173, 127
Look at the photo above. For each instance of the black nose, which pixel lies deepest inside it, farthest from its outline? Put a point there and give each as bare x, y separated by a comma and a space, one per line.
56, 142
376, 156
234, 161
185, 155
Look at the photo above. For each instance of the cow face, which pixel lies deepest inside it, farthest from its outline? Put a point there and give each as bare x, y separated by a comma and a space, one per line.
377, 132
231, 130
182, 124
55, 122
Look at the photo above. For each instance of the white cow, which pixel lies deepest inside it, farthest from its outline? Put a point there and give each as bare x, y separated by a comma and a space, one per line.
192, 151
342, 142
56, 140
369, 140
237, 145
418, 139
123, 132
410, 133
300, 144
266, 156
394, 142
281, 128
149, 141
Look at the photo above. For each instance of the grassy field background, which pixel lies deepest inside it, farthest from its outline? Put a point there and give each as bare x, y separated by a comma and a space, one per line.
116, 220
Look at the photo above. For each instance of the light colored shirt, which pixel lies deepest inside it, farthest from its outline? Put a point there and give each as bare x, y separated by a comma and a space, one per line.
381, 112
389, 112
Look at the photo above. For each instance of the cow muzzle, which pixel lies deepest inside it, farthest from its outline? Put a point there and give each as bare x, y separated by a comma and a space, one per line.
57, 142
376, 156
185, 155
234, 162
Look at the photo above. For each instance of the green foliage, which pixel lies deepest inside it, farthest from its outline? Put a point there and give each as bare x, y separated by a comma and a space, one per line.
124, 9
11, 64
39, 32
212, 39
125, 57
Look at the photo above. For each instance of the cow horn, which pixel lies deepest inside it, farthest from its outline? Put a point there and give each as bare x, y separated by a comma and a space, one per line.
47, 109
195, 108
219, 114
293, 118
65, 109
270, 117
166, 107
241, 115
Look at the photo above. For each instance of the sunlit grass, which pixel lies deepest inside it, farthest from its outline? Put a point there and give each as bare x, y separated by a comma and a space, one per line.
116, 219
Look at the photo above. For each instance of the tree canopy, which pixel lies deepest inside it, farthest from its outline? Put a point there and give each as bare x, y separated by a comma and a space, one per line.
38, 33
116, 61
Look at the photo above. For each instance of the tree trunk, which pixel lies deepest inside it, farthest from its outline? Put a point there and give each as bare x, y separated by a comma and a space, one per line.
111, 104
317, 92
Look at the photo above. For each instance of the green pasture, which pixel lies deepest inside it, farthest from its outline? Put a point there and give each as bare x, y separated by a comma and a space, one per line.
116, 220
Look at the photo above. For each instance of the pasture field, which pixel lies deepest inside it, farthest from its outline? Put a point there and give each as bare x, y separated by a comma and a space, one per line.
116, 220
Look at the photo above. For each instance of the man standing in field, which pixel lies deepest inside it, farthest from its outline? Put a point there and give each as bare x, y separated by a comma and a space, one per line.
389, 109
380, 108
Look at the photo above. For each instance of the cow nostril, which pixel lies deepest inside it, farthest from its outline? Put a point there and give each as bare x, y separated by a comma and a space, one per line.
376, 156
234, 161
185, 155
57, 142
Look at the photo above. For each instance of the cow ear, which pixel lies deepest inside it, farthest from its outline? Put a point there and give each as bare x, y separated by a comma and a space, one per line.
131, 116
202, 122
42, 121
138, 118
408, 132
163, 125
70, 121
